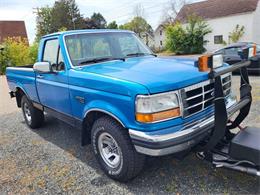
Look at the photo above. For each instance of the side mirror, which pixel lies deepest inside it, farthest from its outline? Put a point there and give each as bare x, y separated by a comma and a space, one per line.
42, 67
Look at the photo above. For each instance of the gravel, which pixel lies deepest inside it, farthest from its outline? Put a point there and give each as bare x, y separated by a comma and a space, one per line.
51, 160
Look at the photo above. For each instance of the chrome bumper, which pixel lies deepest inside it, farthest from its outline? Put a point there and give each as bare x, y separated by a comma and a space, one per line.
158, 144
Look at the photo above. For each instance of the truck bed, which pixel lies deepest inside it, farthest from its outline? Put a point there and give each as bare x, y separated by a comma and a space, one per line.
22, 77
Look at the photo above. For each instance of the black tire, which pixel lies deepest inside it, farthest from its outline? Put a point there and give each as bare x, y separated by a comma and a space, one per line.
131, 162
36, 116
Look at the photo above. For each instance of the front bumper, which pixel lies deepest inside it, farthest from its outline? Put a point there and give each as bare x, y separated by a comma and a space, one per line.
169, 141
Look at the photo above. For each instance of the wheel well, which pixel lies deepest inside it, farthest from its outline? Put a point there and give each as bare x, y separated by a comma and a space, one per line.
19, 94
88, 122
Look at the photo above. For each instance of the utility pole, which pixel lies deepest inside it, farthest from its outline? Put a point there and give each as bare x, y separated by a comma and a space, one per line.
37, 11
73, 19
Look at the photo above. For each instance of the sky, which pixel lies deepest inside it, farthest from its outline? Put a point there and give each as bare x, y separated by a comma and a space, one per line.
119, 10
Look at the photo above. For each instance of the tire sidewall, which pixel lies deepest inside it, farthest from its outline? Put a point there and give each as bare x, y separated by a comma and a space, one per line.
122, 167
25, 100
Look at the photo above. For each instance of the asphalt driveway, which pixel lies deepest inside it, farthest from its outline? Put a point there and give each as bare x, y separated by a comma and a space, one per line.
51, 160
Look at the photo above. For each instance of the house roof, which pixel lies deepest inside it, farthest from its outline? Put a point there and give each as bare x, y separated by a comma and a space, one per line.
161, 26
12, 29
216, 8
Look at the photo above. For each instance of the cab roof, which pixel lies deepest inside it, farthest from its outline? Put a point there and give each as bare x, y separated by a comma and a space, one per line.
85, 31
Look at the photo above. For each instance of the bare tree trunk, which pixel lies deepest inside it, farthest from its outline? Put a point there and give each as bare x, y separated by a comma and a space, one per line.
171, 11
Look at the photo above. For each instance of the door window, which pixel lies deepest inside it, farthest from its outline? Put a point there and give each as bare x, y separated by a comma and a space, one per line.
52, 54
51, 51
60, 62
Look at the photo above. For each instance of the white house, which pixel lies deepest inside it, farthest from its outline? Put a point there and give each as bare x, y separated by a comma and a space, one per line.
159, 37
148, 39
222, 17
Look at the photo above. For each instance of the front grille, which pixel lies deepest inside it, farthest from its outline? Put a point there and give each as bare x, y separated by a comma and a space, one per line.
196, 98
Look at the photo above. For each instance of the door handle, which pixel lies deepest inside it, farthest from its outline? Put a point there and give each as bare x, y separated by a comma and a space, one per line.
40, 76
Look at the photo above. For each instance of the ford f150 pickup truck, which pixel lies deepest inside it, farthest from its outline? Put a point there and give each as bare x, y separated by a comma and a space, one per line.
128, 102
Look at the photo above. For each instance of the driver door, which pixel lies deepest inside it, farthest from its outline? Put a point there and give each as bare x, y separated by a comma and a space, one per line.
53, 90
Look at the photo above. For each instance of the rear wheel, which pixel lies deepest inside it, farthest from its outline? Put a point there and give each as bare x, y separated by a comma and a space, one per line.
114, 150
34, 117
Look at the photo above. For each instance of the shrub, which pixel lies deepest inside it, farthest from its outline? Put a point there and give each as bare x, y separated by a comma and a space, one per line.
189, 39
175, 38
237, 33
33, 52
16, 52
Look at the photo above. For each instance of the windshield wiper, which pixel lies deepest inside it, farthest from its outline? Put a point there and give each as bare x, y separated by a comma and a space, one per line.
96, 60
140, 54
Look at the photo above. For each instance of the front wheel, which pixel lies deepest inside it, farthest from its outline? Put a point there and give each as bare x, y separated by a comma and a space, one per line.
114, 150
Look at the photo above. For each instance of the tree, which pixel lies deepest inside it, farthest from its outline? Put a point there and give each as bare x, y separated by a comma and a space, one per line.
170, 12
89, 24
63, 15
33, 52
43, 22
139, 11
236, 34
187, 40
96, 21
139, 25
196, 29
112, 25
175, 37
2, 60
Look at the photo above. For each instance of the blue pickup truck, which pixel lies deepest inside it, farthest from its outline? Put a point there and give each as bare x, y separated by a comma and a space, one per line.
128, 102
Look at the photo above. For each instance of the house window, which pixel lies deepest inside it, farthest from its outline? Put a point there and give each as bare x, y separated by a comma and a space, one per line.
161, 32
218, 39
161, 43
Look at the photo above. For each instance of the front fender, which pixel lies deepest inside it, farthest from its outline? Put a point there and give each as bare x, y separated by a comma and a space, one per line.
105, 107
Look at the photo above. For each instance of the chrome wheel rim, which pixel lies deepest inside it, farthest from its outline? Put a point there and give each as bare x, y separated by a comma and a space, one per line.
27, 112
109, 150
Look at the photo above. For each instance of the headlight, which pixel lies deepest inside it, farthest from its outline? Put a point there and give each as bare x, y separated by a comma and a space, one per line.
152, 108
217, 61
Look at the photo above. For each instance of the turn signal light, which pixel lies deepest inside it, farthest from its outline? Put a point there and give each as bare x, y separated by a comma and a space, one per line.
158, 116
203, 63
254, 50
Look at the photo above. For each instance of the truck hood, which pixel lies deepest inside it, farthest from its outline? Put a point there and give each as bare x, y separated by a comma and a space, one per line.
156, 74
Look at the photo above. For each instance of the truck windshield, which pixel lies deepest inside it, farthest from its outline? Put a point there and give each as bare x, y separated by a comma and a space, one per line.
96, 47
